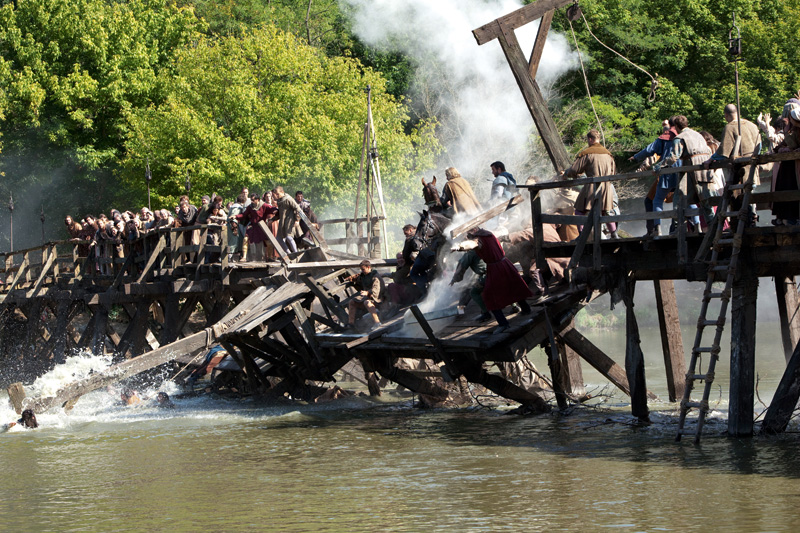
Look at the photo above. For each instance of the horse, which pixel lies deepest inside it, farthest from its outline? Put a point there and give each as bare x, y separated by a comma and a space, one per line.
429, 237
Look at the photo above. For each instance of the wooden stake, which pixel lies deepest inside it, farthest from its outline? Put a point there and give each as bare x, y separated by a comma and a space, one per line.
671, 338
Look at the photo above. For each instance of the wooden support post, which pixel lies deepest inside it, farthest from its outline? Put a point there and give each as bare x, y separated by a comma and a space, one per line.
789, 311
743, 352
133, 339
572, 374
671, 338
33, 313
634, 358
362, 248
533, 97
680, 199
598, 232
59, 338
557, 370
784, 401
98, 342
219, 308
426, 328
538, 231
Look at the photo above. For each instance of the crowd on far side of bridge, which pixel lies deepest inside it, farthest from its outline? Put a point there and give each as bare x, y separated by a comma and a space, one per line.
680, 145
116, 236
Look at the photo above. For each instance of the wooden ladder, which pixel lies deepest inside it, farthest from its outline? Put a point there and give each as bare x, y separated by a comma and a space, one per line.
722, 241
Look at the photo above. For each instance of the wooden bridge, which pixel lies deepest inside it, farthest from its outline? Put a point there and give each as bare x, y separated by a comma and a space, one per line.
281, 320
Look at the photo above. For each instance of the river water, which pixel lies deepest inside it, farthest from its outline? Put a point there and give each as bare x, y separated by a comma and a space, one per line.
364, 465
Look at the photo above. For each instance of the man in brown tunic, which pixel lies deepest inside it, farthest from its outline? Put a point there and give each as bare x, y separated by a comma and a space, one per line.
288, 219
594, 161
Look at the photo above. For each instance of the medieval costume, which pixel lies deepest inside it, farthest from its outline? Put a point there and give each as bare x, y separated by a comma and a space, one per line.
458, 193
288, 222
503, 286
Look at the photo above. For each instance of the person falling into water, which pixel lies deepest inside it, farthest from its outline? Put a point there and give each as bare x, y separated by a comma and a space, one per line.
27, 421
163, 401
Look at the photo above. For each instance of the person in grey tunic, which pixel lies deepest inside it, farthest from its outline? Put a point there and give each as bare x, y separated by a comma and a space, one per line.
288, 219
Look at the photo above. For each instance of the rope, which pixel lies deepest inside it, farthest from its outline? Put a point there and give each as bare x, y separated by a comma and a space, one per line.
653, 81
586, 82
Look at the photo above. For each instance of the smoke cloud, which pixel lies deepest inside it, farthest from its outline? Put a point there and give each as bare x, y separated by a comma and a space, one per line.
469, 88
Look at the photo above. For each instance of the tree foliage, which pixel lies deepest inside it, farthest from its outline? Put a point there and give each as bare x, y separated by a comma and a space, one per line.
686, 45
265, 109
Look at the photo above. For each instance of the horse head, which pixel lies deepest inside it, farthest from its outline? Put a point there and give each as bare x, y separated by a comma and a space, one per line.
431, 195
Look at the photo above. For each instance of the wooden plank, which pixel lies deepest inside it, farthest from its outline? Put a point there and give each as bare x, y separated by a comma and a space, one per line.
564, 219
16, 396
524, 15
743, 347
486, 216
151, 261
308, 330
312, 266
538, 232
671, 338
51, 257
595, 357
580, 244
272, 239
784, 402
789, 312
532, 95
325, 297
426, 328
538, 45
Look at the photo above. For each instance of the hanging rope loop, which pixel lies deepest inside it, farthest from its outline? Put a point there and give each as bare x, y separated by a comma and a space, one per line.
573, 14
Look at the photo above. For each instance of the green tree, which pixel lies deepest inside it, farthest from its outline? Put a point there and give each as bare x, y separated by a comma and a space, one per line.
70, 72
266, 109
685, 44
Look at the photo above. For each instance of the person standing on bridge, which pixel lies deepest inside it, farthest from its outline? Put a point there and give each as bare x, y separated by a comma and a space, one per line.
691, 148
288, 219
661, 148
750, 144
594, 161
503, 285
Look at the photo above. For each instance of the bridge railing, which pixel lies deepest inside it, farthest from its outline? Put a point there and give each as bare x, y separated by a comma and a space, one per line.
73, 261
594, 219
361, 236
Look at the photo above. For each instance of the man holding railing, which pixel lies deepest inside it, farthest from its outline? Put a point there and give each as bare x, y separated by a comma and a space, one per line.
594, 161
691, 148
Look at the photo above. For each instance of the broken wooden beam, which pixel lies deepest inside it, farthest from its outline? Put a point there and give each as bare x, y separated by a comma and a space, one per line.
485, 216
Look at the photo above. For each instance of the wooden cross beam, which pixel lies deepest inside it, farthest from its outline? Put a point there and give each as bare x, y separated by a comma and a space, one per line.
525, 71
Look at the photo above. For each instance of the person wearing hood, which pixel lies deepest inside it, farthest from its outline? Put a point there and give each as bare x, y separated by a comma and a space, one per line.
594, 161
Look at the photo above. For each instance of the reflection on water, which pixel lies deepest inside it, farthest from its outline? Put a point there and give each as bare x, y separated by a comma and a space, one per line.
360, 465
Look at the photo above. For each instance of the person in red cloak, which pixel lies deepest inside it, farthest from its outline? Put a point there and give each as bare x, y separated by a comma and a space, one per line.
504, 286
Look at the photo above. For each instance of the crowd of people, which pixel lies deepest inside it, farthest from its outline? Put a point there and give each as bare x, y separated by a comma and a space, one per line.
251, 216
116, 236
